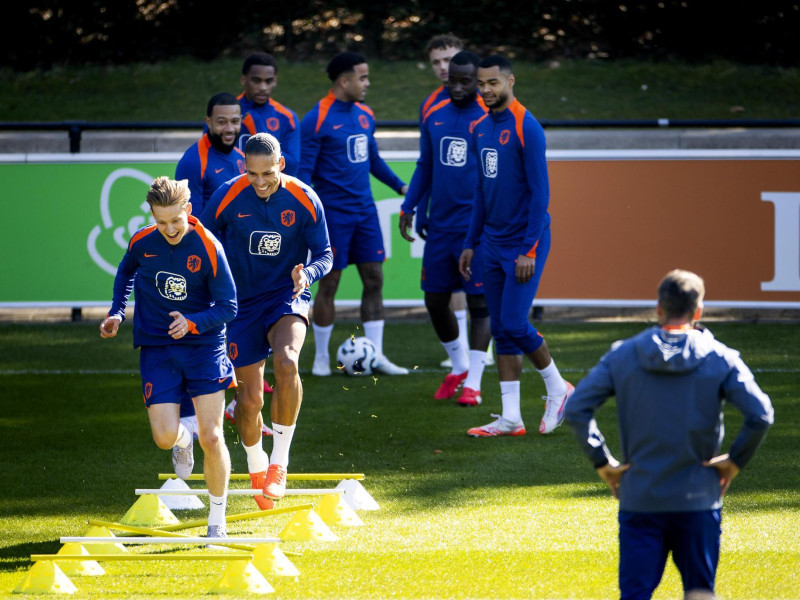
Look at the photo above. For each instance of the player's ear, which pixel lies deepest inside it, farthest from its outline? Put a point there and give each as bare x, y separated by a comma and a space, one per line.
698, 313
188, 208
282, 163
511, 80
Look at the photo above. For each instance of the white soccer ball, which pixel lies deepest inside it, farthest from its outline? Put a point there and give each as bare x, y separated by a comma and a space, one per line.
356, 356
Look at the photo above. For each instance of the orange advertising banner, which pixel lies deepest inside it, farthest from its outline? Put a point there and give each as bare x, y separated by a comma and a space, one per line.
621, 220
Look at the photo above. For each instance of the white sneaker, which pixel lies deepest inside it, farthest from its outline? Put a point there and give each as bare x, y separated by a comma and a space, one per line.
501, 426
183, 460
446, 363
322, 366
387, 367
216, 531
554, 410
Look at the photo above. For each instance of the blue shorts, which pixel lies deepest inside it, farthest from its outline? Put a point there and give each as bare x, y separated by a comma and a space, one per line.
170, 372
509, 301
440, 264
247, 333
355, 237
646, 539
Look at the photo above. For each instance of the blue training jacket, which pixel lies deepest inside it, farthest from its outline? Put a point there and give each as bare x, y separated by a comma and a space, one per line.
339, 154
191, 277
276, 119
671, 388
206, 168
513, 191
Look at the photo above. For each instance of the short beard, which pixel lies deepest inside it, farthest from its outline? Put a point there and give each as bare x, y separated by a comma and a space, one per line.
218, 144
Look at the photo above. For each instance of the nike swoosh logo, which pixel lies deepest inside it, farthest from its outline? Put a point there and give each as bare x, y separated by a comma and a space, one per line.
478, 285
480, 135
222, 379
278, 431
241, 216
146, 255
438, 122
338, 126
219, 170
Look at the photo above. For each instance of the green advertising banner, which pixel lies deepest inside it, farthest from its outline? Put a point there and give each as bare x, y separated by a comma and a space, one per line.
68, 219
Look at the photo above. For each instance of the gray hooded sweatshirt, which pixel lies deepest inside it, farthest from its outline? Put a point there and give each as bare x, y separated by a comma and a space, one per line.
671, 388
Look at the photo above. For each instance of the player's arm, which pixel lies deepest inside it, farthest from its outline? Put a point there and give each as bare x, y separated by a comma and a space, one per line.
123, 286
535, 164
223, 293
380, 170
419, 186
591, 393
319, 245
290, 148
310, 143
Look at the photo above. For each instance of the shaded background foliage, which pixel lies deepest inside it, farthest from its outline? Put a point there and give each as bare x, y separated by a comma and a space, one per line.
46, 33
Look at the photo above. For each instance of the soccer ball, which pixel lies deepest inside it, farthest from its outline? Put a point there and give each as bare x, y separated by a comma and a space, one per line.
356, 356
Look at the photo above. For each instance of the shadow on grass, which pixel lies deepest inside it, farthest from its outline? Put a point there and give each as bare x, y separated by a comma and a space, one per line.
18, 556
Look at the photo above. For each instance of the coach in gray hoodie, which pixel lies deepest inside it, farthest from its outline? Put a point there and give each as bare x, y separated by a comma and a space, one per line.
671, 382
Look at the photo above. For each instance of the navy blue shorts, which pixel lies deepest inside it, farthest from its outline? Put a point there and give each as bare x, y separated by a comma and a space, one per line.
170, 372
645, 540
247, 333
509, 301
355, 237
440, 264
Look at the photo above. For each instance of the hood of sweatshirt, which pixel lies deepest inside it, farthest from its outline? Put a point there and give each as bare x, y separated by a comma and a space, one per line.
664, 351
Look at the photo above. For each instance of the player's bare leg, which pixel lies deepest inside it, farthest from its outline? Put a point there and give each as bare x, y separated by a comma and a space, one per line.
169, 432
323, 315
250, 401
217, 460
286, 338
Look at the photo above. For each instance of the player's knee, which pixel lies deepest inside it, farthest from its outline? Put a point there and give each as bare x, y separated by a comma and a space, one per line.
165, 438
210, 438
285, 367
477, 307
437, 304
250, 397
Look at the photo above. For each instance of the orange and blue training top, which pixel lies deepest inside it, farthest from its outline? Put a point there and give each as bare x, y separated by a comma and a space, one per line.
207, 168
265, 239
191, 277
446, 167
513, 191
276, 119
340, 152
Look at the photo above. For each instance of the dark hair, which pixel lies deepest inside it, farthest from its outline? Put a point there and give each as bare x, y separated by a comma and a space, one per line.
446, 40
680, 293
259, 58
495, 60
221, 99
465, 57
262, 143
344, 63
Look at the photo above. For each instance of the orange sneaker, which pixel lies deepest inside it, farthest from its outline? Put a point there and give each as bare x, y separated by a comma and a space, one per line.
450, 385
257, 482
469, 397
275, 483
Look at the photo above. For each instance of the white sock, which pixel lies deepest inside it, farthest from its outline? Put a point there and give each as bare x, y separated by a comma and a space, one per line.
184, 436
216, 509
257, 459
374, 331
322, 338
190, 423
509, 393
477, 362
458, 356
281, 442
553, 382
461, 317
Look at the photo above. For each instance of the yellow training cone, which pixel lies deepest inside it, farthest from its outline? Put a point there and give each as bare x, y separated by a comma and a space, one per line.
242, 577
306, 526
270, 560
335, 511
45, 578
78, 567
110, 548
149, 511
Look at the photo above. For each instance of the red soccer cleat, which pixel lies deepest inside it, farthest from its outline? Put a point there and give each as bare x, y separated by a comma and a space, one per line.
469, 397
449, 386
257, 482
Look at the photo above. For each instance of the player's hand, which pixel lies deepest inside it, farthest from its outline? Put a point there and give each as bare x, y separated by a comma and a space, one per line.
405, 224
110, 326
611, 473
300, 281
726, 468
525, 268
404, 189
179, 326
465, 263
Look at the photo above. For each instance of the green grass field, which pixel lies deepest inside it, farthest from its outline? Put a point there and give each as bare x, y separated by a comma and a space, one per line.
570, 89
460, 517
